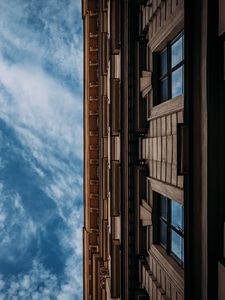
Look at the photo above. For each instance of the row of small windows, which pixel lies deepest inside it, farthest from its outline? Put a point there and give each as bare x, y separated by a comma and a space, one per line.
168, 76
170, 216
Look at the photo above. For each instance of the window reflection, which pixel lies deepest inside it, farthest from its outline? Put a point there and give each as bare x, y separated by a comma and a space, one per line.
177, 51
177, 215
177, 245
164, 89
163, 234
171, 227
163, 207
163, 62
177, 82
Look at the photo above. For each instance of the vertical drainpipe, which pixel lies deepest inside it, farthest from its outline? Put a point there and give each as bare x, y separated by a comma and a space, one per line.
124, 150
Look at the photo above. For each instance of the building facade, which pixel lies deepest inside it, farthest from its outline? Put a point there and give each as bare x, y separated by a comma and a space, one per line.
154, 107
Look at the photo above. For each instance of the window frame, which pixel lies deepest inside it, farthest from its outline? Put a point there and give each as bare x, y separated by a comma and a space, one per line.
158, 77
169, 227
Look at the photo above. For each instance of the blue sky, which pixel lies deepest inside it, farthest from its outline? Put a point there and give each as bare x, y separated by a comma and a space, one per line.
41, 154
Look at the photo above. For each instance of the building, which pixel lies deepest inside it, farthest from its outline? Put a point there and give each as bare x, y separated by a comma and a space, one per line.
154, 149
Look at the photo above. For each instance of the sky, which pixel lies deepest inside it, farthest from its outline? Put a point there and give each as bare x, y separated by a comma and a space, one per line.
41, 149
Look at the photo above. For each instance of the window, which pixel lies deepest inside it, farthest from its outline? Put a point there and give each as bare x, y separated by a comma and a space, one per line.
171, 70
171, 227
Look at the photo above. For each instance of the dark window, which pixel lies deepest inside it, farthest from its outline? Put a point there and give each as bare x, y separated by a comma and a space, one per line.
171, 70
171, 227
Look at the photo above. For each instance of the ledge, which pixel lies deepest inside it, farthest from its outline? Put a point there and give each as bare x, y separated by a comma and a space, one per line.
171, 28
167, 190
170, 267
168, 107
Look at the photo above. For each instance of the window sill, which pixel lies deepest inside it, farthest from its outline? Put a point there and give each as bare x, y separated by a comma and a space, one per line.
169, 265
167, 107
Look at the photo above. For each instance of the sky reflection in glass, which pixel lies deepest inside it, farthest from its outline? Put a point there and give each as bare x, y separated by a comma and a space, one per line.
177, 215
177, 82
177, 52
177, 245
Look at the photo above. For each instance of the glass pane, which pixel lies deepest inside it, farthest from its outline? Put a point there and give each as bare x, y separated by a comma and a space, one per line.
163, 62
163, 233
177, 52
177, 215
163, 207
177, 245
164, 90
177, 82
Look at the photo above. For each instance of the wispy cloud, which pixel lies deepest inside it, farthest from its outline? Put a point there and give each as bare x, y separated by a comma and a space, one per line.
37, 284
47, 34
41, 150
41, 107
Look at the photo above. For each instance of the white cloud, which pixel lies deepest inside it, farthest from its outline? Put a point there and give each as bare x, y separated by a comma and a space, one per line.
39, 284
39, 124
50, 32
42, 109
17, 229
41, 45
